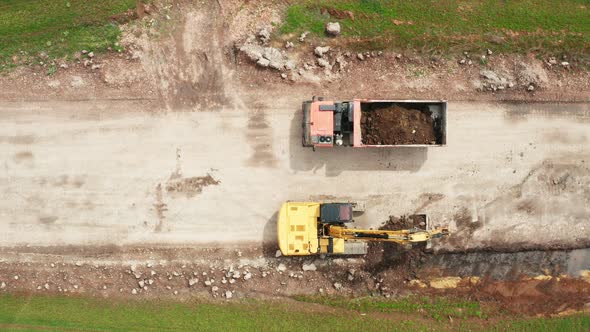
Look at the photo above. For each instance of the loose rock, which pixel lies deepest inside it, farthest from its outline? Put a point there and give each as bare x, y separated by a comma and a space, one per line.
134, 291
323, 63
309, 267
303, 35
192, 282
248, 276
321, 50
333, 28
228, 294
337, 285
264, 35
360, 56
281, 268
278, 253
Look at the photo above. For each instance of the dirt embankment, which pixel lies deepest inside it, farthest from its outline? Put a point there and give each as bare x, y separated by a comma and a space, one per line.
397, 125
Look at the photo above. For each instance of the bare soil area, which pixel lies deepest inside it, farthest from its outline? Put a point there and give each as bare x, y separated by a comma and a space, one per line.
246, 272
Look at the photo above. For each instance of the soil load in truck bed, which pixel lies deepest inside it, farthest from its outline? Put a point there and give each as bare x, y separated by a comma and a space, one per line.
396, 125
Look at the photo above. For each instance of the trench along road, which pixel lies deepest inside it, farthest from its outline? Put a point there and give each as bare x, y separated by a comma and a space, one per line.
107, 172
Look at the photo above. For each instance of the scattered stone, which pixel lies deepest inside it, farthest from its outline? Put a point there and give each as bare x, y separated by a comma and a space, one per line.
398, 56
262, 62
78, 264
151, 281
231, 281
303, 35
532, 73
552, 61
149, 265
2, 285
95, 67
176, 274
323, 63
248, 276
137, 275
264, 274
141, 283
490, 52
15, 277
134, 291
192, 282
289, 45
264, 34
84, 51
333, 28
207, 282
337, 285
278, 254
91, 54
204, 273
360, 56
104, 287
228, 294
236, 274
531, 88
281, 268
321, 291
284, 76
350, 277
214, 288
469, 62
462, 61
321, 50
75, 286
309, 267
175, 292
152, 273
64, 66
565, 63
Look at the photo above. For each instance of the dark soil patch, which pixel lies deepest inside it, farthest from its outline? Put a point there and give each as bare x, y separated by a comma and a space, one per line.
397, 125
190, 186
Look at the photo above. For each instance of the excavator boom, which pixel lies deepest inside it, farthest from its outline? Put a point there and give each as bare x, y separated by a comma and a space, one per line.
398, 236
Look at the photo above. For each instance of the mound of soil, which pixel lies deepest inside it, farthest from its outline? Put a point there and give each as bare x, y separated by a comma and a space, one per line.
397, 125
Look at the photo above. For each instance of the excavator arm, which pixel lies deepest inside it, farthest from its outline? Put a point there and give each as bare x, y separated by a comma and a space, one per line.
404, 236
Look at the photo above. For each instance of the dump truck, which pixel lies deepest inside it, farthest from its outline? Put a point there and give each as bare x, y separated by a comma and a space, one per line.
315, 228
365, 123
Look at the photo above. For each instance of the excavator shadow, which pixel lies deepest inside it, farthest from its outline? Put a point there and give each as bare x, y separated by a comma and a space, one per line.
338, 159
270, 244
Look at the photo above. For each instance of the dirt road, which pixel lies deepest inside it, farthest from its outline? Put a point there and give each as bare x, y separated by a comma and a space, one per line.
105, 172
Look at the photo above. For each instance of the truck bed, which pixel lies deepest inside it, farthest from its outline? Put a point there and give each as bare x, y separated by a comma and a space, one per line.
400, 123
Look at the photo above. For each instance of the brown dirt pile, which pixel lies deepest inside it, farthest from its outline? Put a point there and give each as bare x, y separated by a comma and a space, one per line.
397, 125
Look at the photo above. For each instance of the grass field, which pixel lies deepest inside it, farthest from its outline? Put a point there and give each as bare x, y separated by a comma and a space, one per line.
544, 26
18, 313
57, 28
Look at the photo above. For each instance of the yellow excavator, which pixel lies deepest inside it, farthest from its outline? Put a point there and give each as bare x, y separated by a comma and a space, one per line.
312, 228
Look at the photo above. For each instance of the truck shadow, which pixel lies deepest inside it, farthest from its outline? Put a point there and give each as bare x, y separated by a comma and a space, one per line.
338, 159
